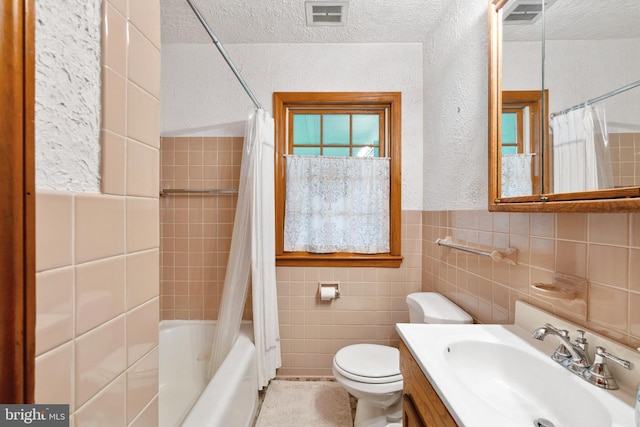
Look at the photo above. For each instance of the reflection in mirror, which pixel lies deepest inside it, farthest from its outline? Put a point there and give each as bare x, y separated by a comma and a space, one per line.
591, 73
521, 140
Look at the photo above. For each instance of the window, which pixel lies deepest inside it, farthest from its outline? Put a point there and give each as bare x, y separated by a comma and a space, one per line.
522, 131
512, 130
339, 124
354, 133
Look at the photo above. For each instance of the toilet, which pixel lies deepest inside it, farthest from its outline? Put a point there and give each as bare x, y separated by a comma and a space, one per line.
371, 372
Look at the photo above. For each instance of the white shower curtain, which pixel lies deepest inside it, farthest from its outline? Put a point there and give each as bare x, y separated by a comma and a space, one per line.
263, 254
252, 255
581, 159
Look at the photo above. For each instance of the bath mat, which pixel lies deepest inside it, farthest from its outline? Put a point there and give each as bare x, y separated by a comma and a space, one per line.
305, 403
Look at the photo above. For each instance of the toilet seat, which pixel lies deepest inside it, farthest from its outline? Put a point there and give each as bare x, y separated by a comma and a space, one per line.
369, 363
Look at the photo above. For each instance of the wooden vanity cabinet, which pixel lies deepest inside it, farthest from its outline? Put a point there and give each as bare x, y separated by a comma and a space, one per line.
421, 405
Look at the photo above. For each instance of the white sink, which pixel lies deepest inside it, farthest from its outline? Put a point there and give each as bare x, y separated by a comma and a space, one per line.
497, 375
513, 381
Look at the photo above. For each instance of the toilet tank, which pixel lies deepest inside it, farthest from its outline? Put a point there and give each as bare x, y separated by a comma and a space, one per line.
432, 307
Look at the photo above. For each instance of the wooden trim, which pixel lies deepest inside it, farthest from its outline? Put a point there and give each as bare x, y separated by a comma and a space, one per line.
392, 101
17, 212
591, 206
29, 192
305, 259
495, 98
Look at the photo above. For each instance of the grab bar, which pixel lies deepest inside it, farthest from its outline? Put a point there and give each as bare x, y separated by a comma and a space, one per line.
508, 255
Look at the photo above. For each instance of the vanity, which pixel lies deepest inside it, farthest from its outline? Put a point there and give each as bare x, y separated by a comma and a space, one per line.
421, 405
499, 375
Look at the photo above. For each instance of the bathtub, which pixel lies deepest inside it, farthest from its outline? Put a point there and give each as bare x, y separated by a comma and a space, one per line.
230, 398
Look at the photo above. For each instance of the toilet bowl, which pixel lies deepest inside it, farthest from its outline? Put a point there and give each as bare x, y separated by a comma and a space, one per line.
371, 372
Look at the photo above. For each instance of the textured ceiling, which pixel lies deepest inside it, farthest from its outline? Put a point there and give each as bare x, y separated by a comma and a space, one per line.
380, 21
284, 21
583, 20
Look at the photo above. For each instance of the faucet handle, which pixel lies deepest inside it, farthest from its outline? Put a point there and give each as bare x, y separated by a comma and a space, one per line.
599, 374
582, 344
602, 354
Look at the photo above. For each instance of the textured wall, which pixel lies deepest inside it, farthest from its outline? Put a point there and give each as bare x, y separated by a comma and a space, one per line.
68, 95
206, 99
455, 109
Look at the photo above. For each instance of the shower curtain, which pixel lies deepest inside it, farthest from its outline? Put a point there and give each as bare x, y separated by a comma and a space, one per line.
581, 159
252, 255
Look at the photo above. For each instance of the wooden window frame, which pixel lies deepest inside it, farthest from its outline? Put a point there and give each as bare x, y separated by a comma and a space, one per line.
392, 101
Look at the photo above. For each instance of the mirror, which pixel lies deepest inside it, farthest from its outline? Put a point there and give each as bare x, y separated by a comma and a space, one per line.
564, 98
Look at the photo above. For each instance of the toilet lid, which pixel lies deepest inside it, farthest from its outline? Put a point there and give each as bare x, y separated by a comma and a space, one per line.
371, 363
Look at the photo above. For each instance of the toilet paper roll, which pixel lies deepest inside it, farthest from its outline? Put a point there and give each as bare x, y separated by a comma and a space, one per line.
327, 293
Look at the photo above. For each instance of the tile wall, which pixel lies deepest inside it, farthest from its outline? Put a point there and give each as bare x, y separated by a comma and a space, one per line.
195, 241
195, 230
625, 158
196, 234
372, 302
603, 248
97, 255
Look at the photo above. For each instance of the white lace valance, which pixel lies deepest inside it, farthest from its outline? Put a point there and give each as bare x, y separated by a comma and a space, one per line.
516, 175
337, 204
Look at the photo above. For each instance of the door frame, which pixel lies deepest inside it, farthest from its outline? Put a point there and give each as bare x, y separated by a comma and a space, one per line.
17, 209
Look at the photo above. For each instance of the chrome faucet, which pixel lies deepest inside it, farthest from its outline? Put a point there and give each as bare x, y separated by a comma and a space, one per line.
575, 357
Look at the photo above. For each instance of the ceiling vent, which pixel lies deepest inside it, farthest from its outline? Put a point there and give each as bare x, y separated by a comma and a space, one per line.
524, 12
326, 13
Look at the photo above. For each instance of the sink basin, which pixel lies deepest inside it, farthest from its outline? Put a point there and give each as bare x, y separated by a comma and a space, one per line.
518, 384
498, 375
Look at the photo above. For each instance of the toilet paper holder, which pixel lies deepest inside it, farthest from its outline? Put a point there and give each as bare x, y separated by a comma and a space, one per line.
331, 290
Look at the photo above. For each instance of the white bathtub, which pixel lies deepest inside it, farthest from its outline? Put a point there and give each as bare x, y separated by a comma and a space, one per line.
230, 398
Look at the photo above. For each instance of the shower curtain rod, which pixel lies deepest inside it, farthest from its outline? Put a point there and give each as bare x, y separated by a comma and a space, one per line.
224, 54
597, 99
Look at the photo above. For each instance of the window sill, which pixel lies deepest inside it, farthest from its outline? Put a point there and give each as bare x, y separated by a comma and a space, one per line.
305, 259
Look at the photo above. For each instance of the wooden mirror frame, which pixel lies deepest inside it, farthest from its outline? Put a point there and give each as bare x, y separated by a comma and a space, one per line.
612, 200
